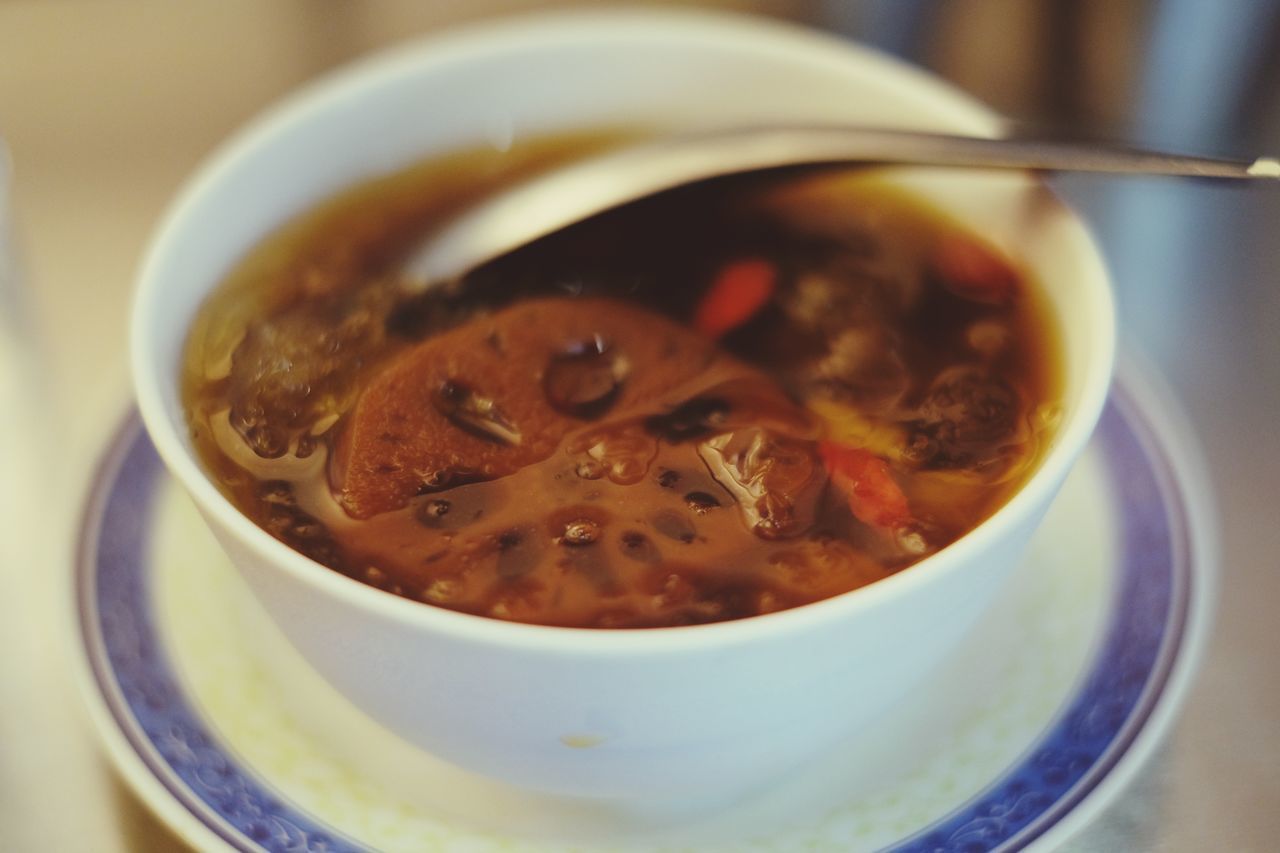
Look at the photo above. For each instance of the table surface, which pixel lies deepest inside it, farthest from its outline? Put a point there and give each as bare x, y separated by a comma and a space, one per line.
105, 108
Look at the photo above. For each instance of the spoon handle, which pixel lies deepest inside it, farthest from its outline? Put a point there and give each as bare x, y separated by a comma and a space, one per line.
933, 149
560, 198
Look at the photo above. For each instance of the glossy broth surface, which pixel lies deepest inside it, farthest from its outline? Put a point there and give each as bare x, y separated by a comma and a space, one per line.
733, 398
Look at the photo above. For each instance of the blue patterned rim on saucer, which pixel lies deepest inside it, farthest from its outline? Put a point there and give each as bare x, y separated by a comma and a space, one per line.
1095, 730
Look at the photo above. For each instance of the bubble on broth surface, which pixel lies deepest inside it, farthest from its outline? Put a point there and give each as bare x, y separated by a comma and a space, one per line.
624, 451
580, 531
701, 502
584, 381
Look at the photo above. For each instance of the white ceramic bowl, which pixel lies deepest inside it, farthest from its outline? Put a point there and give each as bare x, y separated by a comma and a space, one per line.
624, 714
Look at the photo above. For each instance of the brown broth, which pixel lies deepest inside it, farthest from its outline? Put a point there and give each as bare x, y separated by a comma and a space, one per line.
551, 442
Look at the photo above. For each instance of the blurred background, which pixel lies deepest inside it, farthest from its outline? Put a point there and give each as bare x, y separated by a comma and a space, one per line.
106, 106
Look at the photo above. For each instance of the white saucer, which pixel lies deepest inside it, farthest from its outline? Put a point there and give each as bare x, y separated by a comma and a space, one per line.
1041, 717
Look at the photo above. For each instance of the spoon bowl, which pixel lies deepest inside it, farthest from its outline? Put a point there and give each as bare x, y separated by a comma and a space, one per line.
549, 202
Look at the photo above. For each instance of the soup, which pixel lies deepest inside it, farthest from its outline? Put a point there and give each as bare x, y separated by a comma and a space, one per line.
730, 399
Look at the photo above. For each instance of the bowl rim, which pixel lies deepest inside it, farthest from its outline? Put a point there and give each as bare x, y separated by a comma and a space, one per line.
493, 38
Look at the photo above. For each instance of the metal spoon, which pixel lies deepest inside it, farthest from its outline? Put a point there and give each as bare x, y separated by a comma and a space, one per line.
547, 203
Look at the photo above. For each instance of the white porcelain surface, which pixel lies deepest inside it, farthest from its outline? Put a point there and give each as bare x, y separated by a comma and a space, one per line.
671, 711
